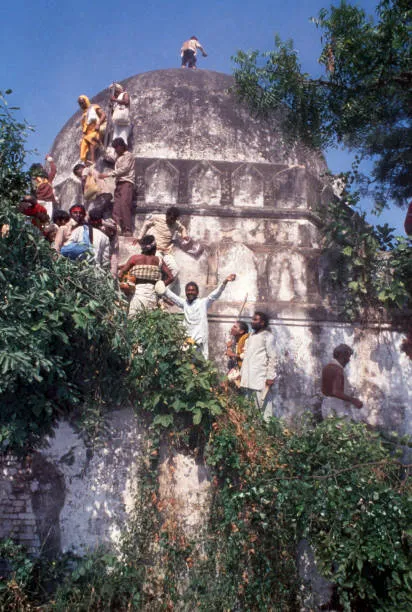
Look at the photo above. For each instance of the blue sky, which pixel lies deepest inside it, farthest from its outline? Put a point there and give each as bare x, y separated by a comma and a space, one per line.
52, 50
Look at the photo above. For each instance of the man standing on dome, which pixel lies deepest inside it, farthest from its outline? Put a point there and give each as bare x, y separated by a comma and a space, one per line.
93, 123
120, 104
188, 52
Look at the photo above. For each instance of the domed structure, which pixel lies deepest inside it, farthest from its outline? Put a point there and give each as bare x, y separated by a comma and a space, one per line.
252, 201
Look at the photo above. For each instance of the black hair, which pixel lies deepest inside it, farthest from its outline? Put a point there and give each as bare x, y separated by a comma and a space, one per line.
96, 214
119, 142
37, 170
243, 326
60, 214
148, 244
78, 167
174, 211
342, 349
192, 284
263, 317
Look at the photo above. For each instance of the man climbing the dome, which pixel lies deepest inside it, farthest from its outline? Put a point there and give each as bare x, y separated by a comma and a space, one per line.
140, 274
93, 124
164, 228
188, 52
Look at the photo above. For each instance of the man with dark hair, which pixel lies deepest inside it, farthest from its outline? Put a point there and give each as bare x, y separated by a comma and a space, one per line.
236, 350
42, 179
31, 208
338, 399
189, 50
164, 228
77, 217
109, 228
259, 365
195, 311
124, 174
236, 345
143, 272
61, 217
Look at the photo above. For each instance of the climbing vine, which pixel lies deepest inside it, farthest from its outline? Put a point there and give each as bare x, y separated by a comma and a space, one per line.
370, 270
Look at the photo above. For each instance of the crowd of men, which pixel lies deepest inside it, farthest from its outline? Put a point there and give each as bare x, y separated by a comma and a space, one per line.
91, 230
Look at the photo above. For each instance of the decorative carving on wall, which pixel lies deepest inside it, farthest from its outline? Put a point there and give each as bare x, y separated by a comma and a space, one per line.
205, 187
287, 276
247, 184
290, 188
162, 182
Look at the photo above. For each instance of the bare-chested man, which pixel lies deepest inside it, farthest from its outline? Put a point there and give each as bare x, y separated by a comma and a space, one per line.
335, 387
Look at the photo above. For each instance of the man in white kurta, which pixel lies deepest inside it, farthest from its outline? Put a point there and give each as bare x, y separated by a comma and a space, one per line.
338, 400
195, 311
259, 366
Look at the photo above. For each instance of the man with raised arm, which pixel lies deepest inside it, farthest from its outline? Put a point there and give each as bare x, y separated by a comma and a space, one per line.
195, 311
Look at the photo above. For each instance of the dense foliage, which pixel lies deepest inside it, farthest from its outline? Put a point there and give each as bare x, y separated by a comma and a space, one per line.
362, 100
66, 347
333, 490
369, 271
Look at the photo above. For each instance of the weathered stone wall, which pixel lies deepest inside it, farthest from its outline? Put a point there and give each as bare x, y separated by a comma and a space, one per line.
252, 202
71, 497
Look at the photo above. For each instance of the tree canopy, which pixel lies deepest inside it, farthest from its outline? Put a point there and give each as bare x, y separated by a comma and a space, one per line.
362, 99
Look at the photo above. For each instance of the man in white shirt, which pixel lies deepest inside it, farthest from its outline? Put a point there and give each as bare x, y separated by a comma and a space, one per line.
195, 311
259, 365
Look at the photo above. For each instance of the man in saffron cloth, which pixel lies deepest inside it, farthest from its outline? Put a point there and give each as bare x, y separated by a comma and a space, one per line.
236, 350
195, 311
259, 365
143, 271
338, 399
93, 122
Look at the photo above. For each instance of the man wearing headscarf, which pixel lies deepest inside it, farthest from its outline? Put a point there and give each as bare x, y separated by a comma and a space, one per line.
77, 217
143, 271
93, 121
120, 101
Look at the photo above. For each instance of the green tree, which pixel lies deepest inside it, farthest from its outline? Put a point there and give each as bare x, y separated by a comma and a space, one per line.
362, 100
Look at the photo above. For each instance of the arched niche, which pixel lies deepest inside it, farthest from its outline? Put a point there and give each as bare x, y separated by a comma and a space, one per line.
238, 259
247, 184
205, 185
161, 182
287, 276
290, 188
